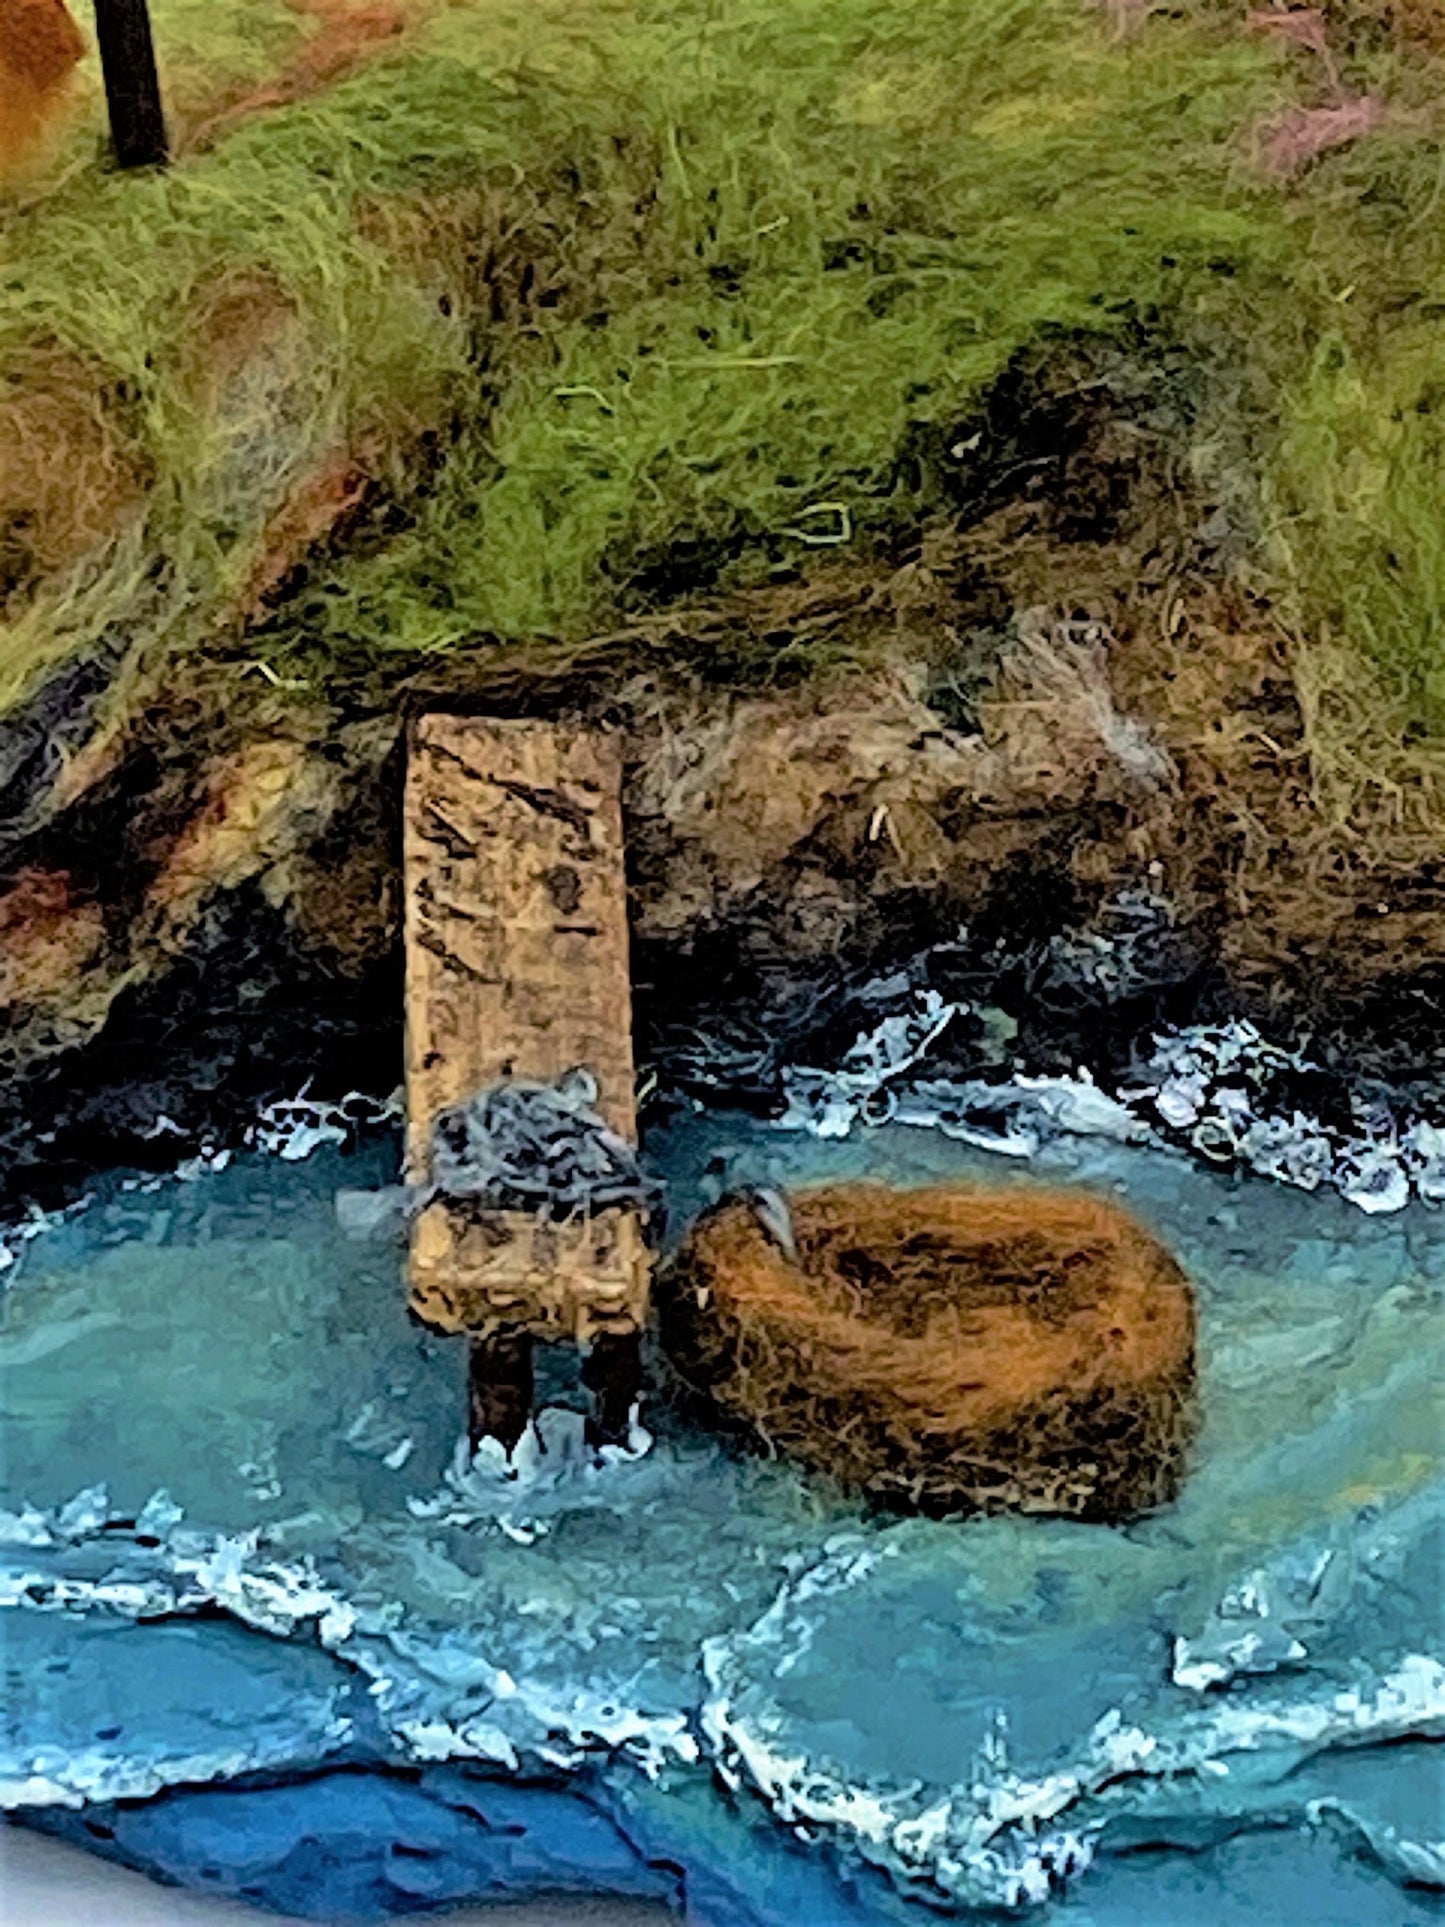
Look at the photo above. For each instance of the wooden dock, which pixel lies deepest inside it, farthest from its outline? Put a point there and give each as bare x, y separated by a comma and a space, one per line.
517, 968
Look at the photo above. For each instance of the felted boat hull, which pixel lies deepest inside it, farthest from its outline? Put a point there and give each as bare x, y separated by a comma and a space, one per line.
946, 1349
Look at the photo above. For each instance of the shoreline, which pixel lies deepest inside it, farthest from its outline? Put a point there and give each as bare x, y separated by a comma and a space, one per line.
45, 1882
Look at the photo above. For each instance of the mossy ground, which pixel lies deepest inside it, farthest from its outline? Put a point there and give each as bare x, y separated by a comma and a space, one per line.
902, 420
575, 308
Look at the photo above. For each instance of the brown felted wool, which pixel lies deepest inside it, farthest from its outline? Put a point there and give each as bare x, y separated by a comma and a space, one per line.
39, 46
947, 1349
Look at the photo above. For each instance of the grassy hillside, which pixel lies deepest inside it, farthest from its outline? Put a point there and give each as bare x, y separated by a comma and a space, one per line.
512, 319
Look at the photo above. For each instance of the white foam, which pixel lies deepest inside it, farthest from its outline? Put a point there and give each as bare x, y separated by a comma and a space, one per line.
520, 1720
1002, 1838
1199, 1087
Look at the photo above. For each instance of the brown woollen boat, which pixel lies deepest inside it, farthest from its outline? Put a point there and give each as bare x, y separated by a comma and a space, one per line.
948, 1349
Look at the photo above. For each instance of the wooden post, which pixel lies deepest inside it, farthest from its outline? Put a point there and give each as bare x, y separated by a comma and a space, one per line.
517, 967
500, 1388
132, 87
612, 1372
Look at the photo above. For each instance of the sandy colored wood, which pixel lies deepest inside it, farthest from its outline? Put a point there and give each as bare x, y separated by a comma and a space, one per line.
482, 1272
517, 966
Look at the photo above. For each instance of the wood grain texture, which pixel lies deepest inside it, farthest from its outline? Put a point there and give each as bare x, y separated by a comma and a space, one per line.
517, 967
488, 1271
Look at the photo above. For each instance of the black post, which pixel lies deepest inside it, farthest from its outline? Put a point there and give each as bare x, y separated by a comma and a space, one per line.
132, 88
612, 1372
500, 1388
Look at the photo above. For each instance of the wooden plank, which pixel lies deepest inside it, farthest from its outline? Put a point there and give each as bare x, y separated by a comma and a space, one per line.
480, 1272
517, 966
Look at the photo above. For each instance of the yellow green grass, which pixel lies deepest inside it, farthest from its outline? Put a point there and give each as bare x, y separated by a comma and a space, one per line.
683, 278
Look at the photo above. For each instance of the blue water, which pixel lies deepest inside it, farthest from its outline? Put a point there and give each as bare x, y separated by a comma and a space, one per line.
331, 1674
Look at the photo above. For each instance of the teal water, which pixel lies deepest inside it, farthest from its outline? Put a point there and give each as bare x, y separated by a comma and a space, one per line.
1227, 1712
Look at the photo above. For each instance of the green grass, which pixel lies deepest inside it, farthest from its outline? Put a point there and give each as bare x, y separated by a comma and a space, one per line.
1357, 456
783, 236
